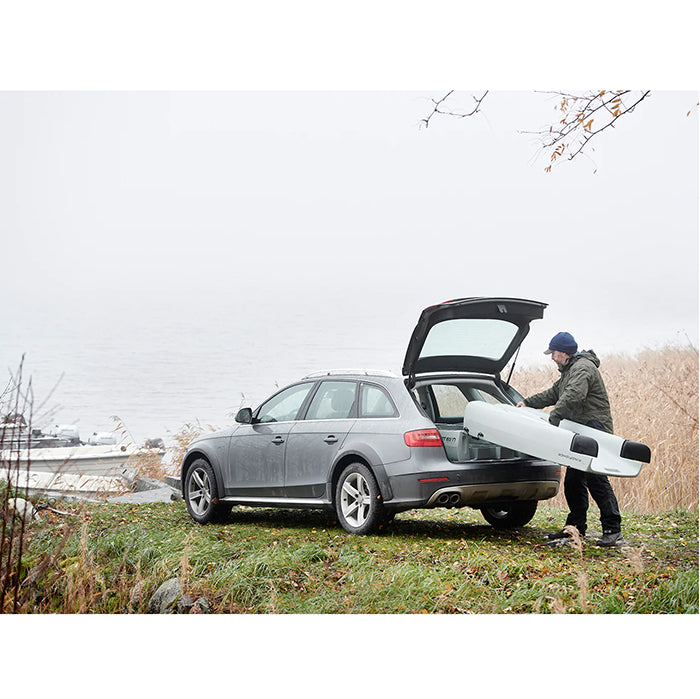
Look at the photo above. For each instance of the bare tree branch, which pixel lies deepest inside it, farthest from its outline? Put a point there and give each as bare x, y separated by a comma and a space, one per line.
572, 134
574, 131
460, 115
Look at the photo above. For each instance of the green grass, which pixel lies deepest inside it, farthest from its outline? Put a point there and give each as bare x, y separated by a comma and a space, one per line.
429, 561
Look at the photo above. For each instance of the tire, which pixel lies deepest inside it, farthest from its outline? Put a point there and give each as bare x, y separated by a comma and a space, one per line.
202, 492
514, 514
358, 502
387, 519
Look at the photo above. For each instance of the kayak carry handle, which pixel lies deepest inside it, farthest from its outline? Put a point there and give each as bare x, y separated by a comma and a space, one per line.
636, 451
587, 446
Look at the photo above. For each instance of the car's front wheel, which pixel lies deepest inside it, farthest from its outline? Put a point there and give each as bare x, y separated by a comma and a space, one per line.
514, 514
201, 494
358, 501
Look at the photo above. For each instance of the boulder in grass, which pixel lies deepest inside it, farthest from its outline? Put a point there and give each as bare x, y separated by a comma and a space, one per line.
169, 599
188, 605
165, 599
202, 606
185, 604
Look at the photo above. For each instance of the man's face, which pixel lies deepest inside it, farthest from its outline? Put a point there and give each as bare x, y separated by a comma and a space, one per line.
559, 358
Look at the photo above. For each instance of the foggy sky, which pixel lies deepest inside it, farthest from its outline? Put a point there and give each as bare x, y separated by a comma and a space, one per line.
127, 203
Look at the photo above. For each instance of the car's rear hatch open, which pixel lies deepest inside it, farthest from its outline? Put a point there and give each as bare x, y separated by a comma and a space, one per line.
469, 335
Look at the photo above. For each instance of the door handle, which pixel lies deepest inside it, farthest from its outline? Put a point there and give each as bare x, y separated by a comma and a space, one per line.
330, 439
278, 440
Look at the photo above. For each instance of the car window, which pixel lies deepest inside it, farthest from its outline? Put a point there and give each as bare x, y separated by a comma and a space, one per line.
285, 405
470, 337
376, 403
450, 401
478, 394
334, 400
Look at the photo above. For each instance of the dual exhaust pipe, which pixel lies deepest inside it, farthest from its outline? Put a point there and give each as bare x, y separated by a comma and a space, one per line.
448, 499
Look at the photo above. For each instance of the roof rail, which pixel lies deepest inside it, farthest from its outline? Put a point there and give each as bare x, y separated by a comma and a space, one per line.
355, 372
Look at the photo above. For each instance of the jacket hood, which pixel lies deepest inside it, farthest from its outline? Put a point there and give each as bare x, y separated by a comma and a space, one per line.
590, 355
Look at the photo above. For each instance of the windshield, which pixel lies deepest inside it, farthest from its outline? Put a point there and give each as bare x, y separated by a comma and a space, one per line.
470, 337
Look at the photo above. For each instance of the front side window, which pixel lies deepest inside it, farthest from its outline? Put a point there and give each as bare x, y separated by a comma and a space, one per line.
334, 400
285, 405
376, 403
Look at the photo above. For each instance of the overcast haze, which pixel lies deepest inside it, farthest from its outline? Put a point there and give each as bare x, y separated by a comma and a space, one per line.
318, 224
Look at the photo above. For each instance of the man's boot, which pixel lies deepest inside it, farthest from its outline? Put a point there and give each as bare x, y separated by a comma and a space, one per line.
609, 539
562, 534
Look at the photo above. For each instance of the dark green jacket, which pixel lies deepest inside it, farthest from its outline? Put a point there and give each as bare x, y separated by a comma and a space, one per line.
579, 395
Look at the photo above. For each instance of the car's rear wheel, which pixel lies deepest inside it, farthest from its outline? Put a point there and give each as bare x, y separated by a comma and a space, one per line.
201, 494
514, 514
358, 501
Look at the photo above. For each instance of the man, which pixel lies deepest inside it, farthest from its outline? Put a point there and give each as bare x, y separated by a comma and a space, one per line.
580, 396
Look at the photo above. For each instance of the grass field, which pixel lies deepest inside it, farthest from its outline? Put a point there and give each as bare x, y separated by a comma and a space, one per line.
286, 561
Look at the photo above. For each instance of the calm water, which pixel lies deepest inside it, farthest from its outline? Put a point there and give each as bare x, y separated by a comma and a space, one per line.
160, 364
160, 371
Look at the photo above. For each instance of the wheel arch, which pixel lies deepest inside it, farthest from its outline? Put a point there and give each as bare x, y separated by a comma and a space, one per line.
190, 458
373, 464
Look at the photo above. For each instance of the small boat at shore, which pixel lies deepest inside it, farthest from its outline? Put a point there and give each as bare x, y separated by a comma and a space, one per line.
86, 459
61, 451
57, 463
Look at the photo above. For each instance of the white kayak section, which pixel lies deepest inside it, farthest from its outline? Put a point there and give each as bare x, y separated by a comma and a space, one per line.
528, 431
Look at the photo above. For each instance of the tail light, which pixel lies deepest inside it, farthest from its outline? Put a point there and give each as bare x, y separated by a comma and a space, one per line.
423, 438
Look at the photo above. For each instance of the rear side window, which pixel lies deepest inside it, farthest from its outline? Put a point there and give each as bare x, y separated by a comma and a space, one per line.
334, 400
450, 401
375, 402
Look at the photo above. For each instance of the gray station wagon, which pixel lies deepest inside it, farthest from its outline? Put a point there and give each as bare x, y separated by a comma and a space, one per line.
369, 444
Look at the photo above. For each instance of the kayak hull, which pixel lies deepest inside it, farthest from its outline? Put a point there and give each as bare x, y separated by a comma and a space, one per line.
577, 446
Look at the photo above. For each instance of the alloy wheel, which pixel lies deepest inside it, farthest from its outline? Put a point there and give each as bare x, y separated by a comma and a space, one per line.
199, 491
355, 500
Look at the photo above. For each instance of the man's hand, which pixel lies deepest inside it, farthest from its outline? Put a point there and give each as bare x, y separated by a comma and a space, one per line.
520, 405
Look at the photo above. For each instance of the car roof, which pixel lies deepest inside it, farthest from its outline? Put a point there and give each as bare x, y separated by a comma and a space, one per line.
352, 372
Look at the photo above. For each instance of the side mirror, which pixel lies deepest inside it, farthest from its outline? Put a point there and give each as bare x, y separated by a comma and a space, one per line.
245, 416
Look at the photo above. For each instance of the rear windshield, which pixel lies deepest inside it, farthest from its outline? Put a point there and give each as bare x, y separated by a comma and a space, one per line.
469, 337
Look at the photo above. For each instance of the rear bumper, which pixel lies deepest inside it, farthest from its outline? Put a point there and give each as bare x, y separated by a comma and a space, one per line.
475, 484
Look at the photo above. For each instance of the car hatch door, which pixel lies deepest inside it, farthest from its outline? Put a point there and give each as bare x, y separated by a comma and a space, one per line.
469, 335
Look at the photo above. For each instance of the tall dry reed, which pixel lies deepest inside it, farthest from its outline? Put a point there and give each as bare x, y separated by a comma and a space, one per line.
654, 400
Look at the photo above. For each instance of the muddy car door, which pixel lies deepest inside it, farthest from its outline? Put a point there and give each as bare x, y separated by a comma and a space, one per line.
315, 440
257, 450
